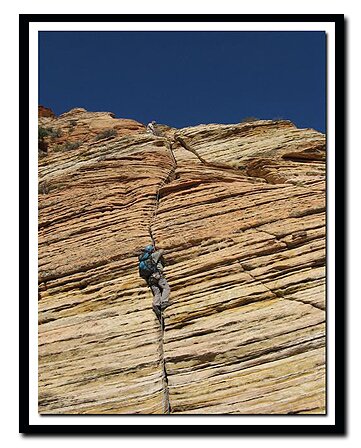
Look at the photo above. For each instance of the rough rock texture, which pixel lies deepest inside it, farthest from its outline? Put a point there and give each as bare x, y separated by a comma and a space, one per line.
242, 222
45, 112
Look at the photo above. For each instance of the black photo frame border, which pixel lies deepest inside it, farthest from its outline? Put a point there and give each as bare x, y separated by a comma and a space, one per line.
339, 428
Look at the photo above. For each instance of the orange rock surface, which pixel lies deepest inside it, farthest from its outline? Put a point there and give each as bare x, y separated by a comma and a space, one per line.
45, 112
242, 221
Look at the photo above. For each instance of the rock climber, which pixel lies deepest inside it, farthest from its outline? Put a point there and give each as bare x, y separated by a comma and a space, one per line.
152, 128
151, 265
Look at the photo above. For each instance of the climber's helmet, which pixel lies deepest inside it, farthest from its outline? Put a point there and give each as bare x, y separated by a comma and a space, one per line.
149, 248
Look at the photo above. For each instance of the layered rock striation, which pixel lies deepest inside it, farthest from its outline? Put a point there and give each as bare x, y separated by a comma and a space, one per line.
240, 212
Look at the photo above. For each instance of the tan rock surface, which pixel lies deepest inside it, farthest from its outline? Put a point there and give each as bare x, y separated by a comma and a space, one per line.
242, 222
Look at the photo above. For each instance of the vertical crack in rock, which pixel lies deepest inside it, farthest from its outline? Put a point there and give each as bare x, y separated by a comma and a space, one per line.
166, 402
168, 179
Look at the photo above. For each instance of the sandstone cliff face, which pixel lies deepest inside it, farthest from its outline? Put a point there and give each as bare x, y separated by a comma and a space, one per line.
242, 221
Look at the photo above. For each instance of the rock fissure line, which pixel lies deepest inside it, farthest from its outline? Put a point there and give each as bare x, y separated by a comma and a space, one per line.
205, 162
278, 295
168, 179
166, 402
160, 186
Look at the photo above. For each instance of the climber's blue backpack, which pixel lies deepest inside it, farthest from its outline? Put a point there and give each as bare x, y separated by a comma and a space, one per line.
147, 266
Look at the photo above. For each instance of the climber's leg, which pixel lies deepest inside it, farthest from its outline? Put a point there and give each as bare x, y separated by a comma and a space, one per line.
157, 295
163, 284
157, 298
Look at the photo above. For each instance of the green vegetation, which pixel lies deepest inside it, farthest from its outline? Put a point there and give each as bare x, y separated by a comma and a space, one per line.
107, 133
42, 145
48, 132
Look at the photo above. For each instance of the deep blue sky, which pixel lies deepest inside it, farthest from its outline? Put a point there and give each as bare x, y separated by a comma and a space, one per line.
186, 78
